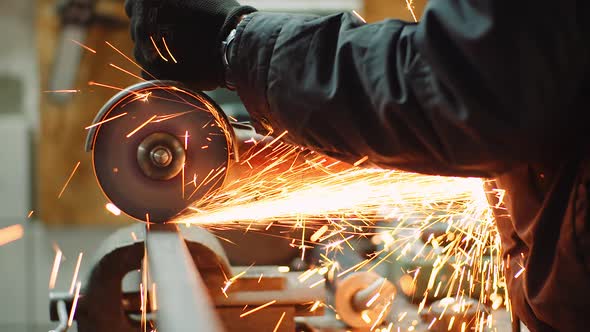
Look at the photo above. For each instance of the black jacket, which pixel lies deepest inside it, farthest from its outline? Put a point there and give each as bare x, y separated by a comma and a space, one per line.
490, 88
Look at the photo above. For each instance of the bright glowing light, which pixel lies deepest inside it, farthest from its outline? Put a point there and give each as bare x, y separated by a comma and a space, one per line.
113, 209
11, 234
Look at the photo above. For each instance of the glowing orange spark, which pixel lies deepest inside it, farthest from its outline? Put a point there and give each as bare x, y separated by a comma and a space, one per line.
55, 268
74, 304
128, 58
30, 214
68, 181
219, 172
315, 236
360, 161
141, 126
11, 234
162, 118
106, 120
113, 209
76, 270
182, 184
409, 6
83, 46
266, 146
451, 321
372, 299
157, 49
92, 83
402, 316
315, 306
186, 136
432, 323
168, 50
126, 72
154, 305
258, 308
279, 322
359, 16
62, 91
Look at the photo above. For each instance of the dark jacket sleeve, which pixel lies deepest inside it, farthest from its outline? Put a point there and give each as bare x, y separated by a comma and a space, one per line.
473, 89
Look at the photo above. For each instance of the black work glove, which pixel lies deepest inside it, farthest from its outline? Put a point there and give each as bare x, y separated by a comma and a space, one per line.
187, 35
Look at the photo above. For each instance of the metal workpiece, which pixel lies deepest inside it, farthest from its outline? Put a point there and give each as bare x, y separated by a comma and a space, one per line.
363, 299
183, 301
102, 304
185, 272
378, 294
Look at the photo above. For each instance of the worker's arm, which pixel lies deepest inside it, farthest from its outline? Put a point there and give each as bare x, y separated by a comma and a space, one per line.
475, 88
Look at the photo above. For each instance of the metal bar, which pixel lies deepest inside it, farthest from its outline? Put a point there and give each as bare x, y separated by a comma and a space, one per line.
62, 313
182, 298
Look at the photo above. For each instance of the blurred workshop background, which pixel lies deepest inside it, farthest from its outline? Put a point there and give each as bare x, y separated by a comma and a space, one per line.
42, 136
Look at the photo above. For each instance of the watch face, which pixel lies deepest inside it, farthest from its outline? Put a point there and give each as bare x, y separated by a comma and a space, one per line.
226, 47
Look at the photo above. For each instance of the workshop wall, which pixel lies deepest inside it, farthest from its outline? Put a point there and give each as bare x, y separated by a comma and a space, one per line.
17, 109
65, 115
376, 10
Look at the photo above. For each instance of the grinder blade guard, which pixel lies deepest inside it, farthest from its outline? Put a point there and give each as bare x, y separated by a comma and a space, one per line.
150, 140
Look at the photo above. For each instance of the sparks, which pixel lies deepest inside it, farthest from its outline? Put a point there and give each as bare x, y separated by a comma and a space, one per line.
411, 9
113, 209
68, 181
55, 268
92, 83
126, 72
360, 161
279, 322
157, 49
334, 204
521, 271
269, 145
83, 46
141, 126
106, 120
186, 136
168, 50
258, 308
74, 304
129, 59
359, 16
62, 91
10, 234
76, 270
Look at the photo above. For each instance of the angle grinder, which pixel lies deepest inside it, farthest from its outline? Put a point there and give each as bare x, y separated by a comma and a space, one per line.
151, 139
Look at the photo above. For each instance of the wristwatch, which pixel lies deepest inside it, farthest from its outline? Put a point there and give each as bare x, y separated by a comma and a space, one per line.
225, 54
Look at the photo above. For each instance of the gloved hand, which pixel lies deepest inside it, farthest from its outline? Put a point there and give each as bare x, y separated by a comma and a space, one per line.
187, 35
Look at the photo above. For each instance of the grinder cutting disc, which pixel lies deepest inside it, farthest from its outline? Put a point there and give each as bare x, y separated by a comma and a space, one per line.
157, 148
